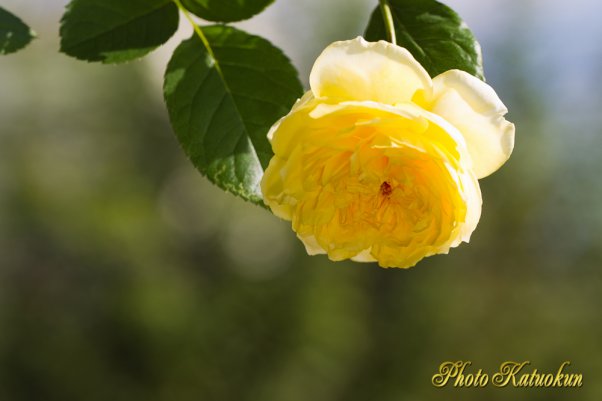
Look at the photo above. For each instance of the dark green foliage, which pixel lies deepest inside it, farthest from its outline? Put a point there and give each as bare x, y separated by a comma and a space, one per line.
222, 104
434, 34
116, 31
14, 33
226, 10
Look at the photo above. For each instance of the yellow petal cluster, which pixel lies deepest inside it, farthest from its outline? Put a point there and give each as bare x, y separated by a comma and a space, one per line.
380, 163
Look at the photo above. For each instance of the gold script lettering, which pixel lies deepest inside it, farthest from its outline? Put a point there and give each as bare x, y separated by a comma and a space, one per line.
448, 370
508, 372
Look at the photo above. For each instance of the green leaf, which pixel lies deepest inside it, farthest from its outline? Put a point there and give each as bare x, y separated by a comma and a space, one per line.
14, 33
434, 34
222, 103
226, 10
116, 31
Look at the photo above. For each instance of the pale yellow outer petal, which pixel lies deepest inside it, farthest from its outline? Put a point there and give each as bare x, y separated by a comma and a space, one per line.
364, 257
474, 202
311, 245
360, 70
303, 101
477, 112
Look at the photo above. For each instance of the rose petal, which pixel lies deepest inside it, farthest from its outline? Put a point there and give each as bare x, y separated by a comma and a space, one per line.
302, 102
477, 112
359, 70
364, 257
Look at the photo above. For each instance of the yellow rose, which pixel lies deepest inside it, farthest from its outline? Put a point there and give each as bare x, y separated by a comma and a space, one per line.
380, 163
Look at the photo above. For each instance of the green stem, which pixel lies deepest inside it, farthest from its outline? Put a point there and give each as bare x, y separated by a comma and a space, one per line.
199, 33
388, 17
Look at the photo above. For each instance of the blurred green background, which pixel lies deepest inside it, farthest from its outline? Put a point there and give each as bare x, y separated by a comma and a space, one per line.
125, 275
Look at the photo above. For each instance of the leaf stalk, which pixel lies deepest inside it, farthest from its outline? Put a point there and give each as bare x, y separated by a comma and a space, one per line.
199, 33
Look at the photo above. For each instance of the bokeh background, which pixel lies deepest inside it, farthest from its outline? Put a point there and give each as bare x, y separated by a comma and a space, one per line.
125, 275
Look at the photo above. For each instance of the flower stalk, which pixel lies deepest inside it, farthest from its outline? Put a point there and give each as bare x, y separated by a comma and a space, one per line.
388, 17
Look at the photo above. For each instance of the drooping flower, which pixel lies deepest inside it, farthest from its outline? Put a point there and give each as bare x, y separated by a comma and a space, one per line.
379, 162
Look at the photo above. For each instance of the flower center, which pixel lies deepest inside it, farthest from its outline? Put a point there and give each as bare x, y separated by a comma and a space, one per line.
385, 189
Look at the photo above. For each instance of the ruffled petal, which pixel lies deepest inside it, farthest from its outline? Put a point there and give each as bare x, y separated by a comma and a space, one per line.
360, 70
477, 112
407, 115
